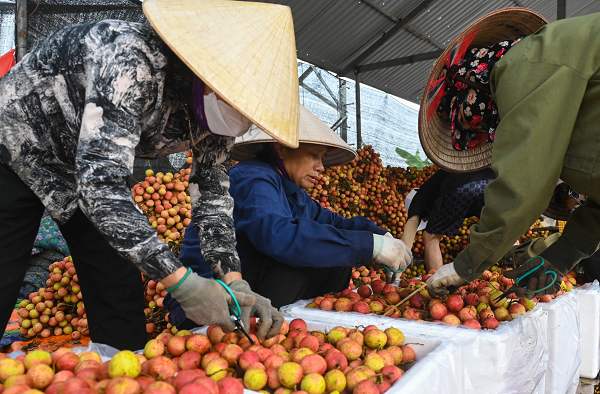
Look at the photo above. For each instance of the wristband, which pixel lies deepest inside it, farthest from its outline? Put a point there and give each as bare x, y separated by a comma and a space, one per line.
377, 245
189, 271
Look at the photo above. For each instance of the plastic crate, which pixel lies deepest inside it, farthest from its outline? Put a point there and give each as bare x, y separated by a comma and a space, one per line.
589, 322
510, 359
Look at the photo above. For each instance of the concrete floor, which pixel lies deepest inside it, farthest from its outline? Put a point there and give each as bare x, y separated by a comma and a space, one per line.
586, 386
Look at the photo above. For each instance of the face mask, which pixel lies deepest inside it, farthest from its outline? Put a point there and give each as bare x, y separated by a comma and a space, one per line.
223, 119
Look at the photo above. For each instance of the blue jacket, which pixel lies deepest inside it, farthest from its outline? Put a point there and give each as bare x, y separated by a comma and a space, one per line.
275, 219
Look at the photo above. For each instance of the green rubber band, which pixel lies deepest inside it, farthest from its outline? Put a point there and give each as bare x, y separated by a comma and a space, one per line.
535, 269
395, 272
189, 271
237, 313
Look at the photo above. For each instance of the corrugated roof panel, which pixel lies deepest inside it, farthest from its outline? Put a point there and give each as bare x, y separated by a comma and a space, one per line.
582, 7
398, 8
434, 22
408, 80
405, 43
331, 33
349, 27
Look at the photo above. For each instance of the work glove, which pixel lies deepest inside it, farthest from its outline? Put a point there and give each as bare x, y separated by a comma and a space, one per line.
391, 252
205, 301
270, 319
537, 279
444, 277
510, 256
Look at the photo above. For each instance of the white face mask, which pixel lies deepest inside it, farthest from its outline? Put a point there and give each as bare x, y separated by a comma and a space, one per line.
223, 119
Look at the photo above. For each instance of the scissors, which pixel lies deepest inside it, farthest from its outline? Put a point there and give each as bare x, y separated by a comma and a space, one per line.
515, 286
236, 313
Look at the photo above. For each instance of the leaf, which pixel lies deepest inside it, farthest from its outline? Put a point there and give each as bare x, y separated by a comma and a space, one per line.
404, 154
413, 160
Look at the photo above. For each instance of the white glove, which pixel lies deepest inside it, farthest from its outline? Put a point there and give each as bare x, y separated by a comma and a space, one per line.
444, 277
391, 252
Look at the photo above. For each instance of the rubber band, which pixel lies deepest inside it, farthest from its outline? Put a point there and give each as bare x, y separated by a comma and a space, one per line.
535, 269
189, 271
379, 247
395, 272
237, 314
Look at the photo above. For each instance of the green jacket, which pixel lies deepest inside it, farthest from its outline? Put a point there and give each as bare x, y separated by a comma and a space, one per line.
547, 89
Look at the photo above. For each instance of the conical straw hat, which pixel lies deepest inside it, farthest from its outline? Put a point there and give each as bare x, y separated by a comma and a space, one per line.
246, 52
312, 131
436, 134
557, 208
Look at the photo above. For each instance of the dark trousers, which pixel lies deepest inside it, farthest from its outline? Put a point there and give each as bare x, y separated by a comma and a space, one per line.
111, 286
284, 285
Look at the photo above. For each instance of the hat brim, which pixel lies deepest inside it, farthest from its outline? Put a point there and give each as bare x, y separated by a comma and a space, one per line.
557, 209
312, 131
557, 212
435, 134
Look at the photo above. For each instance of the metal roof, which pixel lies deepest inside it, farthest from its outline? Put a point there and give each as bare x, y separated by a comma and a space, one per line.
337, 35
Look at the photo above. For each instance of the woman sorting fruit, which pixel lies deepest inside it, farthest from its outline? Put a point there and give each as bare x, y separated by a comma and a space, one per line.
446, 198
530, 91
78, 108
290, 247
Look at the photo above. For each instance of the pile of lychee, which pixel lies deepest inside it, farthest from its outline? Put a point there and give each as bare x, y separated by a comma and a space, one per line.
165, 200
474, 305
57, 309
316, 362
343, 360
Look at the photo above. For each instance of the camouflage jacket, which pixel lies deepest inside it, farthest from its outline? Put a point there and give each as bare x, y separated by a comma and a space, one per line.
76, 111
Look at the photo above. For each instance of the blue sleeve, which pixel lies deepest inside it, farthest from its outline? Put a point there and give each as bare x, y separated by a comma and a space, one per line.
190, 254
325, 216
263, 215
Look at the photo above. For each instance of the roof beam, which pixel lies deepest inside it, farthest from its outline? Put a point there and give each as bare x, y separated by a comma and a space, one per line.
319, 95
7, 7
561, 9
325, 85
400, 61
381, 10
305, 74
338, 122
387, 35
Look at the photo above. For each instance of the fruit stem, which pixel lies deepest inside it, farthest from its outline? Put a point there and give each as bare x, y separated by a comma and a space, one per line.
406, 299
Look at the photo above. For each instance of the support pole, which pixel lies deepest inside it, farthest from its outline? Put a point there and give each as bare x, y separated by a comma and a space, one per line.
21, 39
561, 9
359, 142
343, 110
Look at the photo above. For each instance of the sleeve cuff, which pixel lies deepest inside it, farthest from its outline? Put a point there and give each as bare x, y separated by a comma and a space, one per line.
563, 255
465, 272
362, 248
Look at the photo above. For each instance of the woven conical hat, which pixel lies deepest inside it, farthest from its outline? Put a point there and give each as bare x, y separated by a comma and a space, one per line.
557, 208
312, 131
246, 52
436, 135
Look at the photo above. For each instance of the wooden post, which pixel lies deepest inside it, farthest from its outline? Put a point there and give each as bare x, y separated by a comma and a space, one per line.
21, 36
